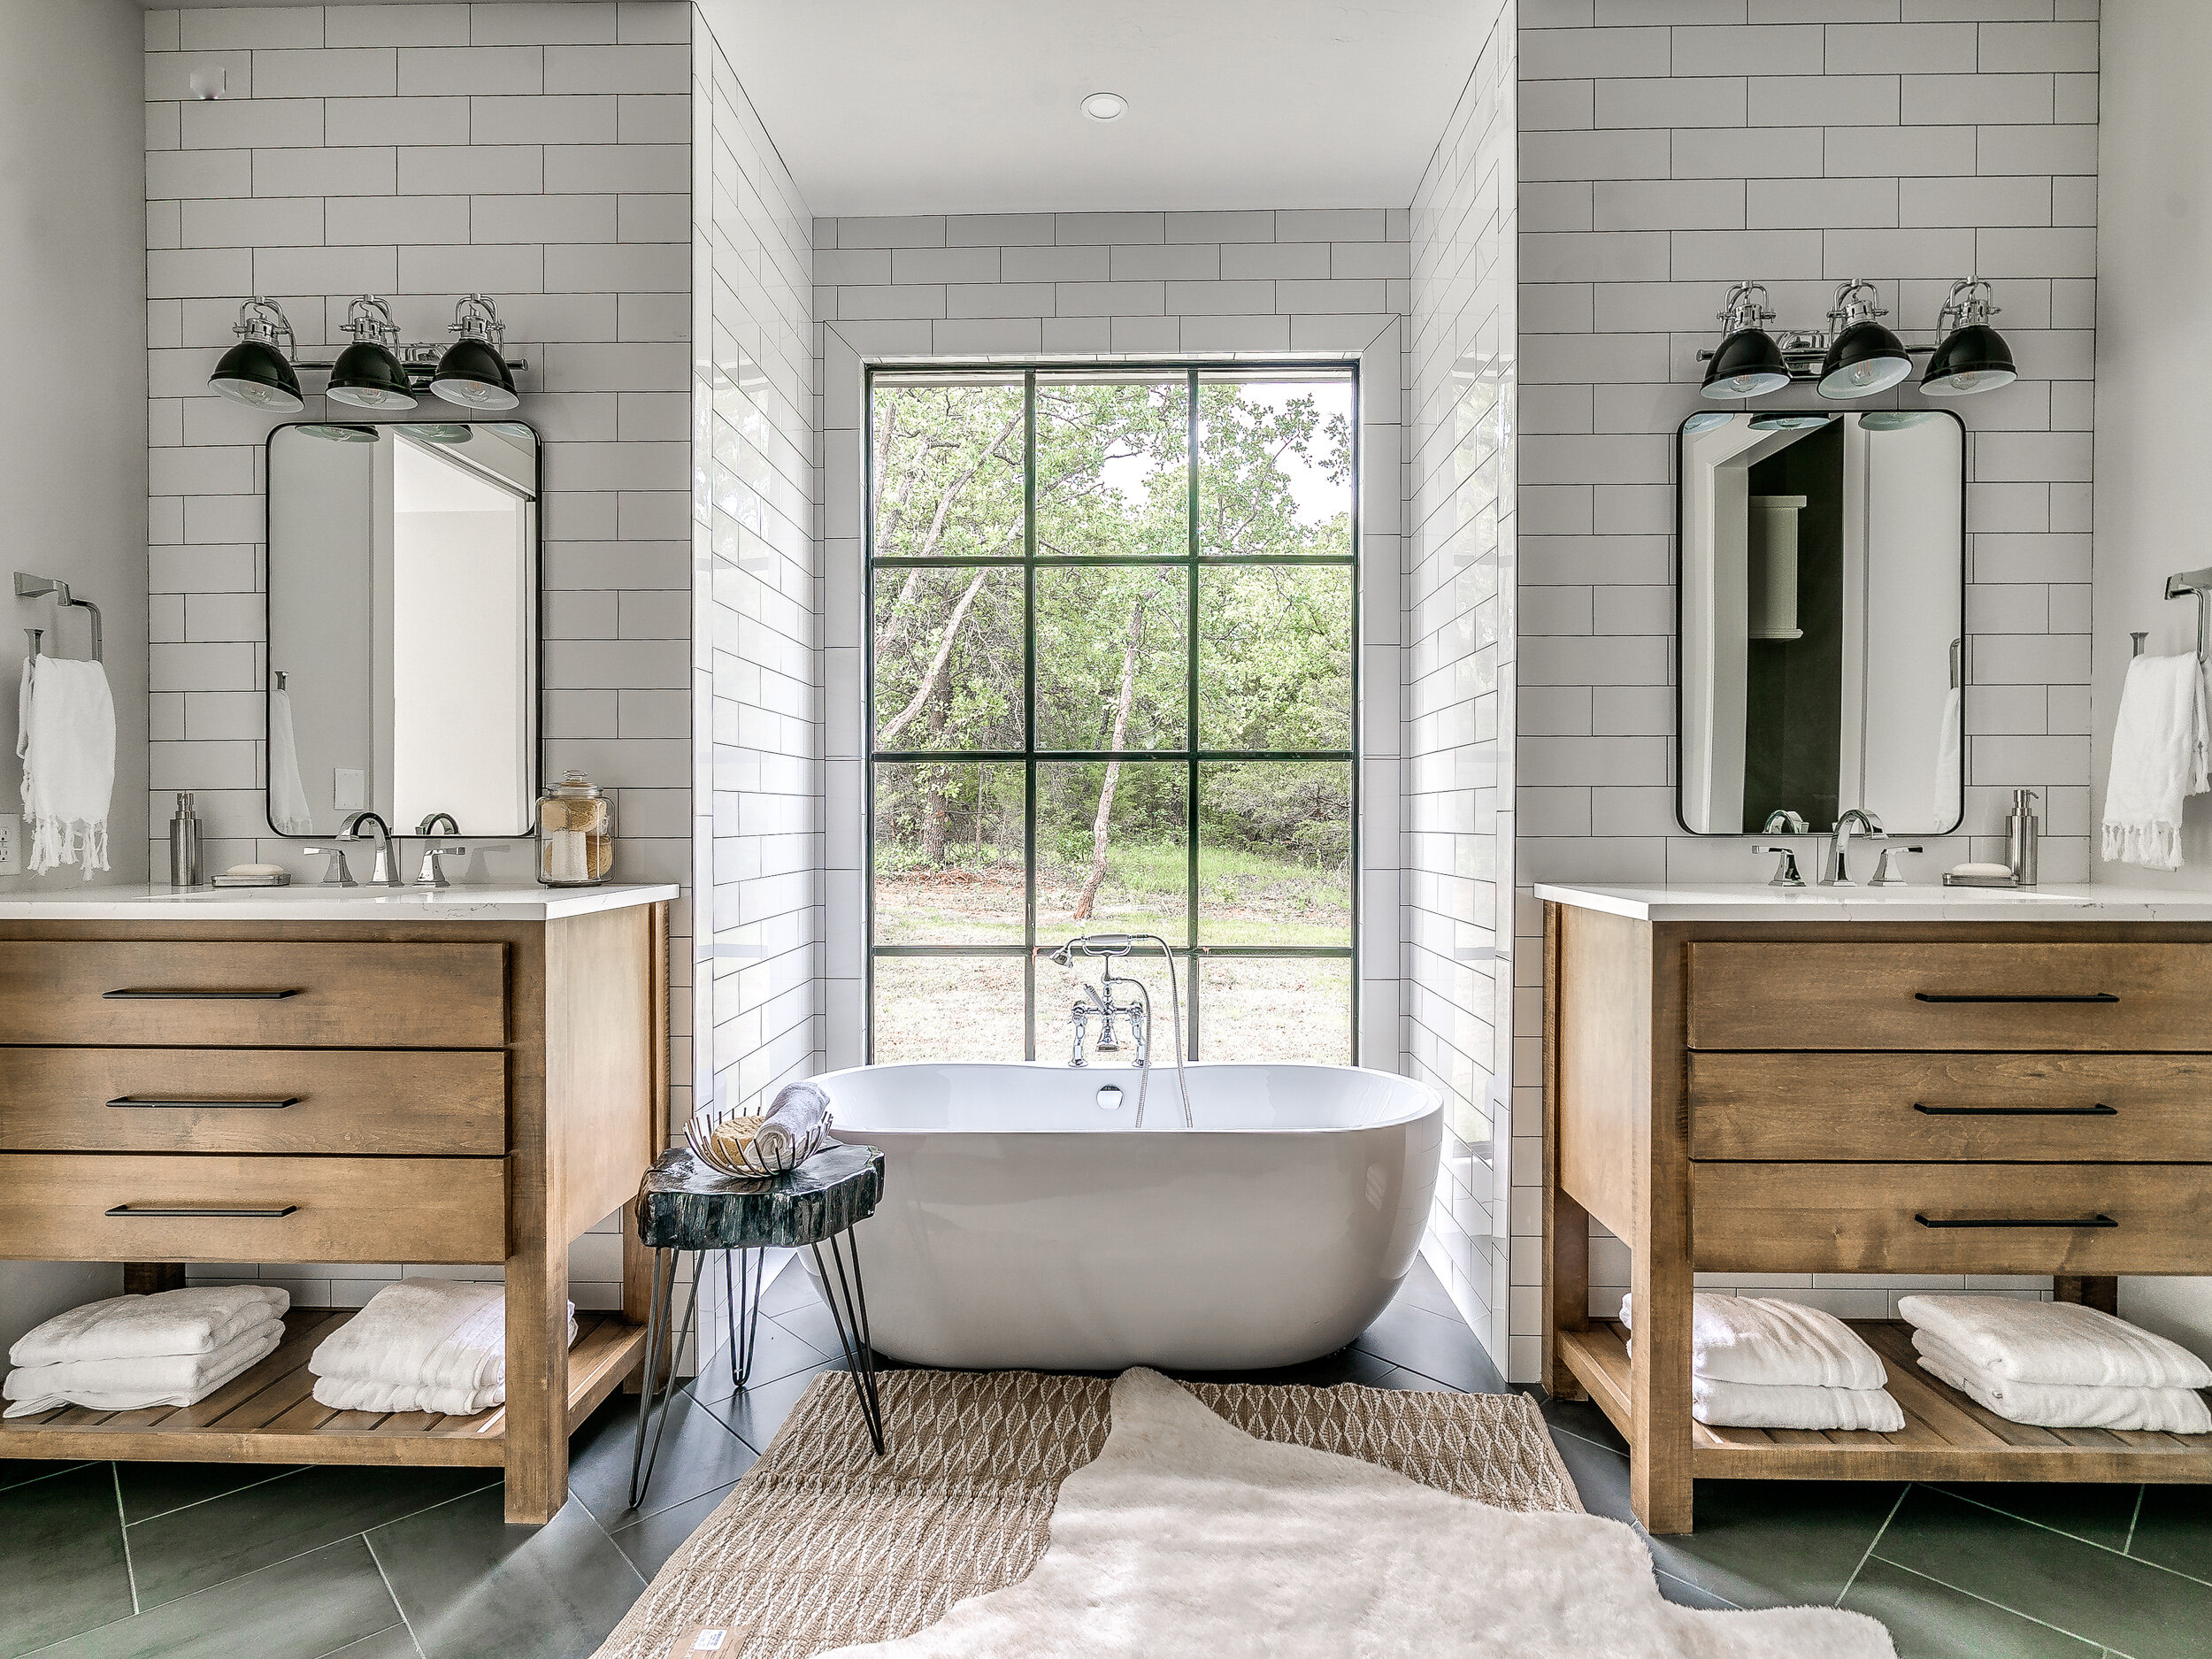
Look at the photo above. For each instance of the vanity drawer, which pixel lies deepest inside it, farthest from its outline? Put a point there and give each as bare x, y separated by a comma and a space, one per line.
1940, 995
1883, 1107
383, 1101
318, 1209
226, 993
1951, 1217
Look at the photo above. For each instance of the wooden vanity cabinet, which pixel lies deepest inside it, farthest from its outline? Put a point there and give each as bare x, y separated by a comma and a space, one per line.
426, 1091
1866, 1097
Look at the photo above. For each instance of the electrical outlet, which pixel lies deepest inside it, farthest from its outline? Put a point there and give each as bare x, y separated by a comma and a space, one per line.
10, 844
349, 788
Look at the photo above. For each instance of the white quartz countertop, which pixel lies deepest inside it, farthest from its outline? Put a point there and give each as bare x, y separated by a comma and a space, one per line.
1756, 902
310, 903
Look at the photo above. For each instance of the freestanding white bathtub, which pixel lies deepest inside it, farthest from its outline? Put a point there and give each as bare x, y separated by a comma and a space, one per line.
1026, 1225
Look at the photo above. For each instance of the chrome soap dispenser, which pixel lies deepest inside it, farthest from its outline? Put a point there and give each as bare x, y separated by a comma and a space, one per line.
2023, 831
184, 844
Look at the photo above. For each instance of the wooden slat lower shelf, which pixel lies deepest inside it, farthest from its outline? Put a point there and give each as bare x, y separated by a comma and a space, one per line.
1945, 1436
269, 1415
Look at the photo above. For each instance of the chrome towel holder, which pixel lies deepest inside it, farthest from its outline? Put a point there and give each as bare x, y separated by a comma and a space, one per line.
2198, 582
29, 587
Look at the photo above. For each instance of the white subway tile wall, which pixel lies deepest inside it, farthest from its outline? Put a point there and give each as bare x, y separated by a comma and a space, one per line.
1911, 145
1457, 887
1093, 288
757, 682
543, 154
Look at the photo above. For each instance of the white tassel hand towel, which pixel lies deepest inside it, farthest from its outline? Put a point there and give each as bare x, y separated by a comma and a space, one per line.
197, 1320
438, 1344
132, 1384
2065, 1405
66, 743
287, 793
1758, 1340
2161, 748
2059, 1342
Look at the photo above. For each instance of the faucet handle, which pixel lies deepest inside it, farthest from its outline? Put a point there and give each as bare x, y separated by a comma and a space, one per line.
1885, 874
432, 873
334, 874
1784, 872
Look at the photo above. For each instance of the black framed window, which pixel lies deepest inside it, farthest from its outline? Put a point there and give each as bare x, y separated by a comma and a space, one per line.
1112, 680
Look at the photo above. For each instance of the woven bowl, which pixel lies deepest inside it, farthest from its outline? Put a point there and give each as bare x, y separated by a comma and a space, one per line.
721, 1138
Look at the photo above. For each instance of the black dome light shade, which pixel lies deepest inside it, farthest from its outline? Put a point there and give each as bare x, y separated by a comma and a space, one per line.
368, 373
472, 372
1747, 362
255, 372
1973, 357
1863, 358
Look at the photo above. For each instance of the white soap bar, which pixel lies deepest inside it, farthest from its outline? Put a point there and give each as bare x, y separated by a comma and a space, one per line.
1981, 869
255, 870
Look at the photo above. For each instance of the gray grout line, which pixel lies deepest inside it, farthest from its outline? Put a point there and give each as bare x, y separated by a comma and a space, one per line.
2134, 1516
1871, 1542
1691, 1584
2086, 1543
123, 1528
248, 1487
1985, 1602
388, 1589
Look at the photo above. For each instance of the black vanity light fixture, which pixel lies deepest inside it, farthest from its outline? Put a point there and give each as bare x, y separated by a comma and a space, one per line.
376, 372
368, 373
1973, 357
473, 372
1747, 362
1855, 356
255, 372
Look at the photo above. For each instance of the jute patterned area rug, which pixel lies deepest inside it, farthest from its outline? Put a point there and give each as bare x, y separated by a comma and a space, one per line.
822, 1545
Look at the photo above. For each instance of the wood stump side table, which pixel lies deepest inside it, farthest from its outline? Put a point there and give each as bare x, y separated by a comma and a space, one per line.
685, 1205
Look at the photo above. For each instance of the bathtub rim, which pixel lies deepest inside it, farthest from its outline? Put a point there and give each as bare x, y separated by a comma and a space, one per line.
1432, 1100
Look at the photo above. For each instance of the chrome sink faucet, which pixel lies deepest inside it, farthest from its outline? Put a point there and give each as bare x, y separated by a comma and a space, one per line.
1838, 873
433, 874
383, 875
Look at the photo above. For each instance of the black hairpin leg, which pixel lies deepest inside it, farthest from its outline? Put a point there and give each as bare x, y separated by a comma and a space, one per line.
742, 1273
851, 1319
658, 1308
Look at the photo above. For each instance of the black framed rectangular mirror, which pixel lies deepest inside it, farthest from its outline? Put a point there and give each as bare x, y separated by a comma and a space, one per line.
1820, 637
401, 594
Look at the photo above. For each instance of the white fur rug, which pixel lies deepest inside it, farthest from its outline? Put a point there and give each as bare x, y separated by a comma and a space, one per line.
1187, 1538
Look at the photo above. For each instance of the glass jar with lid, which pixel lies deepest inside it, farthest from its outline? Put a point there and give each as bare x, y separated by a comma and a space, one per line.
575, 834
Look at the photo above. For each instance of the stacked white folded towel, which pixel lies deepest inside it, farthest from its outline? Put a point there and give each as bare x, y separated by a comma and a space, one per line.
421, 1345
128, 1352
2058, 1365
1758, 1363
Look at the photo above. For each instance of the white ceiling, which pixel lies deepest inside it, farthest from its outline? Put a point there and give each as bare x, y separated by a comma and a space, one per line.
972, 106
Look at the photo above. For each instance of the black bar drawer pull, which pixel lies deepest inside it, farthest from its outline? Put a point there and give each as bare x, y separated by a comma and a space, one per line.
273, 1213
2052, 996
159, 1100
136, 994
2021, 1221
2098, 1111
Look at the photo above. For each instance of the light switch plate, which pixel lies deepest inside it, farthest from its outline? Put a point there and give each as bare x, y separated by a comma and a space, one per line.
10, 844
349, 788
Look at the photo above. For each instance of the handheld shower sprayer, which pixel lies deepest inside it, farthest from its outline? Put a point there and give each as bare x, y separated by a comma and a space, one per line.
1113, 945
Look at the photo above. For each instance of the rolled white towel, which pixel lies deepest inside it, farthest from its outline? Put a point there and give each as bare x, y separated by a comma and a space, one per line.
442, 1339
1766, 1343
199, 1320
132, 1384
1784, 1406
2059, 1342
2065, 1405
793, 1130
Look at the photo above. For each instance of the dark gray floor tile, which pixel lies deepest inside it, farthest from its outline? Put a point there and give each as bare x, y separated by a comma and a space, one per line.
791, 1290
1682, 1592
1776, 1543
187, 1550
1424, 1289
302, 1608
151, 1489
394, 1643
758, 1413
650, 1541
1346, 1365
1580, 1418
2174, 1529
1600, 1475
15, 1471
698, 1453
1928, 1620
1436, 1345
2096, 1594
471, 1585
815, 1327
62, 1539
777, 1352
2101, 1515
